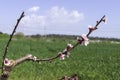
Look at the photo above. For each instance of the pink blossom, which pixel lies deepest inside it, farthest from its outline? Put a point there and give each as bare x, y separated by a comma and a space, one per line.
79, 39
85, 37
70, 45
86, 40
66, 52
91, 28
61, 56
6, 62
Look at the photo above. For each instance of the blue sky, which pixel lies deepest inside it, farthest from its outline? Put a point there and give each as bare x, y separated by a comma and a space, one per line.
61, 16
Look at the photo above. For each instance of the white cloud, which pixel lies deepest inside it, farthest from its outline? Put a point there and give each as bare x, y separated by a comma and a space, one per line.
34, 9
62, 16
54, 18
33, 21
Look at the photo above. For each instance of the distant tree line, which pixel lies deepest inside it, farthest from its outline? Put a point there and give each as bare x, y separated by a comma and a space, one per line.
21, 34
72, 37
1, 32
54, 36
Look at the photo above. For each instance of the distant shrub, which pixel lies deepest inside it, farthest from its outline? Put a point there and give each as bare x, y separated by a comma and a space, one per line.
1, 32
19, 34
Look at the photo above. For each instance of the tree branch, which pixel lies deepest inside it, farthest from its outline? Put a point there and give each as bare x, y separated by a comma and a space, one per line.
6, 48
94, 28
6, 69
79, 42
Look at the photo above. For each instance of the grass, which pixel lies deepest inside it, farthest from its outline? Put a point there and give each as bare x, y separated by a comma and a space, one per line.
97, 61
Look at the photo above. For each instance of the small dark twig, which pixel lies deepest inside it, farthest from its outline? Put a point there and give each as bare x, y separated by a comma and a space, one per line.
73, 77
98, 22
6, 48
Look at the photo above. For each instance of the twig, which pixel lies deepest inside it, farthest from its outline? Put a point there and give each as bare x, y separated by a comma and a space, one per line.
6, 48
98, 22
90, 31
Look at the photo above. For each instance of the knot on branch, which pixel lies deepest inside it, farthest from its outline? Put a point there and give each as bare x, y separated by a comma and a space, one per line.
65, 52
7, 68
91, 28
9, 63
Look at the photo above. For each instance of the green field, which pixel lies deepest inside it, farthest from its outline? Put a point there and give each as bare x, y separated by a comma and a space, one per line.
97, 61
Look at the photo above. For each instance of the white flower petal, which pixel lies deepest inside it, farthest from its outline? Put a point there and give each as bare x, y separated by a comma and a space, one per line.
106, 20
62, 57
85, 37
70, 45
86, 43
86, 40
34, 58
89, 26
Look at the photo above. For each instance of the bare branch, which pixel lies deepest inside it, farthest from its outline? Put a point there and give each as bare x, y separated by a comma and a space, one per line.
20, 60
6, 48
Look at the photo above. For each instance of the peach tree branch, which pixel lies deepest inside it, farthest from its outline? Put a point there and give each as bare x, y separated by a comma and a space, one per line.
8, 43
80, 40
8, 65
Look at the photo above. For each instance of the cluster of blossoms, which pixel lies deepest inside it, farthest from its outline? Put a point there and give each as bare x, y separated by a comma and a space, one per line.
83, 40
66, 52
